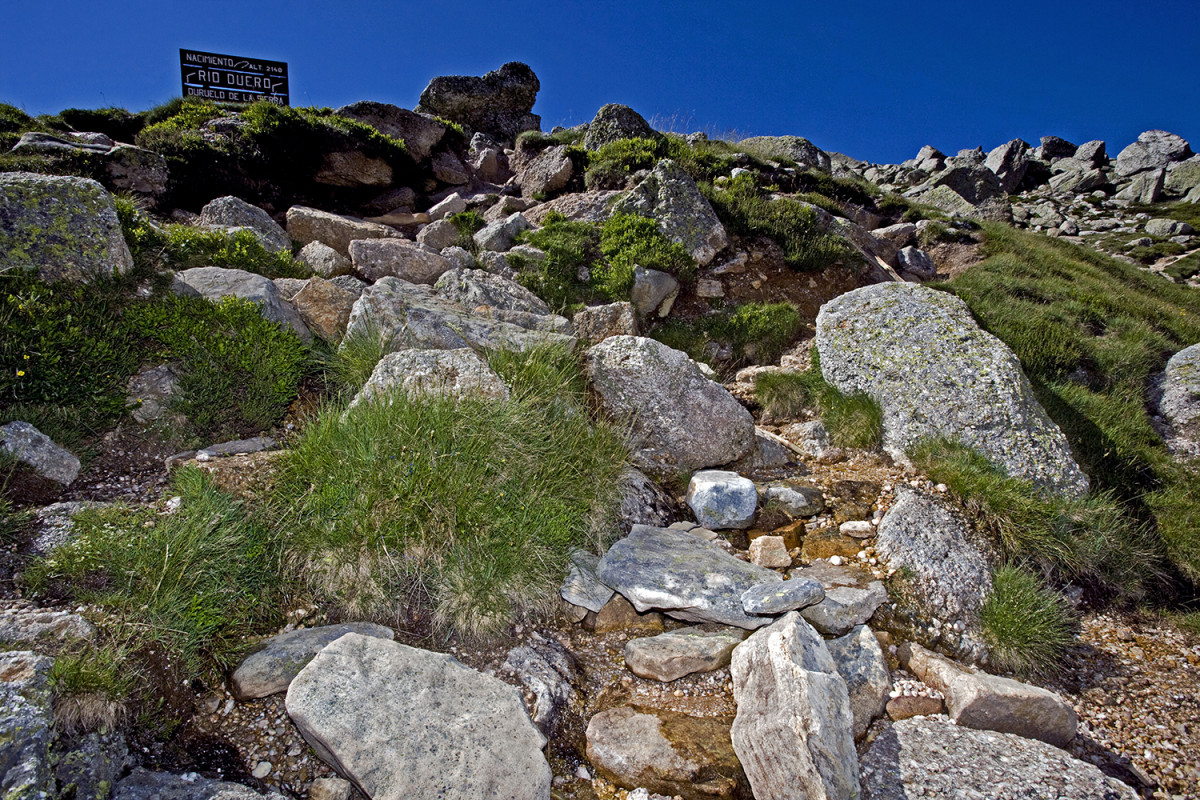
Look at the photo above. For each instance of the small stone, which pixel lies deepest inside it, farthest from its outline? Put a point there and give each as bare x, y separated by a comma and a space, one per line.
907, 706
770, 552
859, 529
262, 769
779, 598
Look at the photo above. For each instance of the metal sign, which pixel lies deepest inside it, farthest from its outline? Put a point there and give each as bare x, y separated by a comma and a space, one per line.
233, 79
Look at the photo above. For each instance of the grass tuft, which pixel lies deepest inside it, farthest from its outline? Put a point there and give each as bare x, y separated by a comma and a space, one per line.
852, 420
754, 333
1027, 626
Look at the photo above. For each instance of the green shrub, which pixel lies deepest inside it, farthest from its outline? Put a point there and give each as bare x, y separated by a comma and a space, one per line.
238, 372
1086, 539
468, 224
746, 211
628, 241
1027, 626
569, 247
460, 514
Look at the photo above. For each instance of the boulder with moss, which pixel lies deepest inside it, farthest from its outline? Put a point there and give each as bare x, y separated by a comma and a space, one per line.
614, 122
26, 726
419, 132
62, 228
670, 197
232, 214
920, 355
499, 104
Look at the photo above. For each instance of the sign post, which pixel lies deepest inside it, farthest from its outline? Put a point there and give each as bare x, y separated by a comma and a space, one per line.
233, 79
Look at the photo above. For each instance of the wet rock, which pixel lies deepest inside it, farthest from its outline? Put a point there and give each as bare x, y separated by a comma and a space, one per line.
62, 228
919, 354
793, 727
975, 699
232, 213
548, 673
851, 597
672, 655
860, 662
664, 752
680, 421
32, 447
688, 578
376, 709
930, 757
217, 283
720, 499
272, 667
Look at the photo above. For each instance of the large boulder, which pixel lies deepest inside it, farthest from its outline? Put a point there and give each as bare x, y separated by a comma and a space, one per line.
665, 752
63, 228
976, 699
27, 444
498, 104
398, 258
1152, 150
670, 197
419, 374
614, 122
408, 315
930, 757
232, 213
334, 230
419, 133
679, 420
26, 726
215, 283
918, 353
859, 660
1009, 162
271, 667
722, 499
548, 672
793, 730
402, 723
793, 148
947, 567
549, 172
1177, 398
685, 576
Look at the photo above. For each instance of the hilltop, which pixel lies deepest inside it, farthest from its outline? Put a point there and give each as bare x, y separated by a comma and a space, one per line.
398, 452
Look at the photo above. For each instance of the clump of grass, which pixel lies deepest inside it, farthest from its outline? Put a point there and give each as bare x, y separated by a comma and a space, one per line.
852, 420
750, 332
194, 583
91, 686
1149, 254
348, 368
938, 233
1089, 539
460, 514
468, 224
611, 165
1028, 627
747, 211
1184, 268
628, 241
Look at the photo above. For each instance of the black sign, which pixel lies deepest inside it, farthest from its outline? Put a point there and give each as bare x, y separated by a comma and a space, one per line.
233, 79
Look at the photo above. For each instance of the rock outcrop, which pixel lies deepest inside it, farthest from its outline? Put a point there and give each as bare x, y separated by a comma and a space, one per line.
671, 198
499, 104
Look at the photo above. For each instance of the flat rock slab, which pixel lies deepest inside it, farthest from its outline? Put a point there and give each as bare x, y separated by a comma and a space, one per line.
403, 723
780, 598
582, 586
793, 727
333, 230
142, 784
26, 725
860, 662
672, 655
32, 624
851, 597
280, 659
976, 699
934, 372
722, 499
64, 228
665, 752
930, 757
683, 575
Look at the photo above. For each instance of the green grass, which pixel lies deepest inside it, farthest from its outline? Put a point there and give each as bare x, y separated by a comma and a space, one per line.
569, 246
468, 224
194, 583
754, 333
748, 211
92, 685
460, 514
1184, 268
1027, 626
1091, 332
852, 420
1089, 539
628, 241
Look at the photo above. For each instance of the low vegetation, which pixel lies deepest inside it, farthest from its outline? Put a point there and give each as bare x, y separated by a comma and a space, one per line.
750, 333
1028, 627
852, 420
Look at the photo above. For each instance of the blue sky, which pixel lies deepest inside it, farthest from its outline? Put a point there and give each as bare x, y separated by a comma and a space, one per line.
872, 79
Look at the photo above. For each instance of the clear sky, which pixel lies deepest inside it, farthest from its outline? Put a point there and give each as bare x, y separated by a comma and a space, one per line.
869, 78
